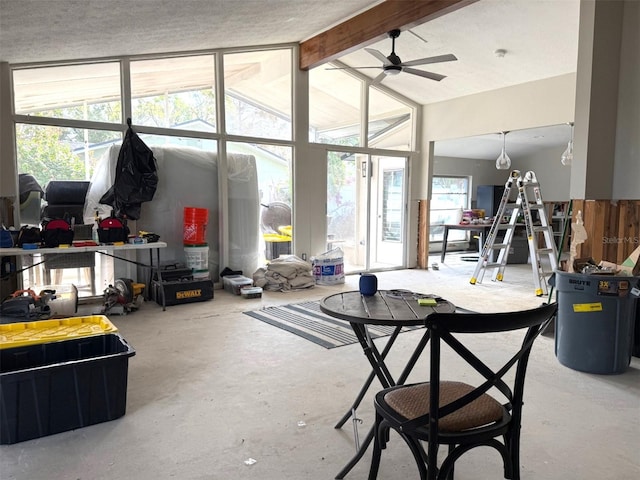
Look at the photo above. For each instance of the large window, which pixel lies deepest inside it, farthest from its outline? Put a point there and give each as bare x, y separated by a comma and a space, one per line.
58, 153
449, 197
336, 111
234, 101
68, 116
334, 107
78, 92
258, 94
390, 122
174, 93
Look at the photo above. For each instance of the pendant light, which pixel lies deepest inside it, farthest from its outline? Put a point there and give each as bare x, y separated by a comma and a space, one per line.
567, 156
503, 162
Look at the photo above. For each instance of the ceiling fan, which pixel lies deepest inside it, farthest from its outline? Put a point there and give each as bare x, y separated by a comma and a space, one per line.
392, 65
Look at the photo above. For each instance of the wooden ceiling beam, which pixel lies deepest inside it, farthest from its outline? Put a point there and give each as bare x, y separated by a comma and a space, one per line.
371, 26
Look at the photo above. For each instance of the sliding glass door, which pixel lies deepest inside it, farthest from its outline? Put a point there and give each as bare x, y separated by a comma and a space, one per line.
366, 208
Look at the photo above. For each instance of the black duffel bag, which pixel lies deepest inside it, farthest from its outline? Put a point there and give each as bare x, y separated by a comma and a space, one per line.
113, 230
57, 232
29, 235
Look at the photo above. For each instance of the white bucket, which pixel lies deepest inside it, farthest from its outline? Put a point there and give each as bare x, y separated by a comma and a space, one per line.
197, 257
201, 275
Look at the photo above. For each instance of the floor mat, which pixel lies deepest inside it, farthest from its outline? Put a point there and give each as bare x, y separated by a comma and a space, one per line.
307, 321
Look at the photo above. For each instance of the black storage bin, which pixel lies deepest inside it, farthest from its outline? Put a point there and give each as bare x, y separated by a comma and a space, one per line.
54, 387
71, 192
67, 211
595, 322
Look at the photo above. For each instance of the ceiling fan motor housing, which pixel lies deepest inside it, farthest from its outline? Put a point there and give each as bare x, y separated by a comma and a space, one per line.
394, 59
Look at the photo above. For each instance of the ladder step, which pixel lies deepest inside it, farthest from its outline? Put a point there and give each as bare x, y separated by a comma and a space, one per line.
499, 246
545, 250
492, 265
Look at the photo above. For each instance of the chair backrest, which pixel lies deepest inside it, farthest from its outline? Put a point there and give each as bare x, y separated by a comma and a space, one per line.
445, 327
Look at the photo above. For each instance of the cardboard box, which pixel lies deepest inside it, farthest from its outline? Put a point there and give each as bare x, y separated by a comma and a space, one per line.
631, 266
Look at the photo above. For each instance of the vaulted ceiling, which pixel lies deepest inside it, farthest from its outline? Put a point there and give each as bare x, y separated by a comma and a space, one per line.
539, 36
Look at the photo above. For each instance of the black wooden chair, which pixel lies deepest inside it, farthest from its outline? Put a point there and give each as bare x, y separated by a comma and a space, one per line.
458, 414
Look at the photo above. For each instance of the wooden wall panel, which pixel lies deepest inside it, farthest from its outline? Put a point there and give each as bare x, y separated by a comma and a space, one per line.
613, 228
423, 234
629, 224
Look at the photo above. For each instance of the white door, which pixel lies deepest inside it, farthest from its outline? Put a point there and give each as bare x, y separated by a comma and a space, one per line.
366, 209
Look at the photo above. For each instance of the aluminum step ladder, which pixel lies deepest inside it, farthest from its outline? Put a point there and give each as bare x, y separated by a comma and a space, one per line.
528, 198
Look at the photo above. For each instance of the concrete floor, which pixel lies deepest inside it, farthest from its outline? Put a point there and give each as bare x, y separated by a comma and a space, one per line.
210, 388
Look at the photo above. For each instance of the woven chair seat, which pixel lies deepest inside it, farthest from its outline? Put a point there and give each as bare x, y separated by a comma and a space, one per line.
413, 401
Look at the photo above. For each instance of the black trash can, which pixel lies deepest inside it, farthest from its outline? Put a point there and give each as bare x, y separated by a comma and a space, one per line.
595, 322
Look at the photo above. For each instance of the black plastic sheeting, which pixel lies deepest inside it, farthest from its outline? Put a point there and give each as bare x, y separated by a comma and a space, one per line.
136, 177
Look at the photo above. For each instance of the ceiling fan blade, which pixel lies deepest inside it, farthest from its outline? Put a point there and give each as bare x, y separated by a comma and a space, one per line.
348, 68
378, 79
379, 55
421, 73
424, 61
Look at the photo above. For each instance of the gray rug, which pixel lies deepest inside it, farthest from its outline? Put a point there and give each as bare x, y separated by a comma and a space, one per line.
307, 321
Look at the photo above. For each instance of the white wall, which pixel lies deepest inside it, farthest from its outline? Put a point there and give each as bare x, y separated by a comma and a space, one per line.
552, 176
534, 104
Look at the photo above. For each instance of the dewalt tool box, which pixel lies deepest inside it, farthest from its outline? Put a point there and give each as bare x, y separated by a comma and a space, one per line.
178, 286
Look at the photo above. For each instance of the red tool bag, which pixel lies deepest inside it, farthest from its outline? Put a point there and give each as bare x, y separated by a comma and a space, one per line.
112, 230
57, 232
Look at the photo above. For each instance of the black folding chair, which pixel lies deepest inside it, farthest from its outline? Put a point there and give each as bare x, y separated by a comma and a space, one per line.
458, 414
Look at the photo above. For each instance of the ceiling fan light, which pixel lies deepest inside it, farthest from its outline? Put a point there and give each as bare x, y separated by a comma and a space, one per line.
392, 71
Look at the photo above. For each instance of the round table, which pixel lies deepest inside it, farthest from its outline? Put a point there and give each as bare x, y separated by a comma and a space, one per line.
395, 308
386, 307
